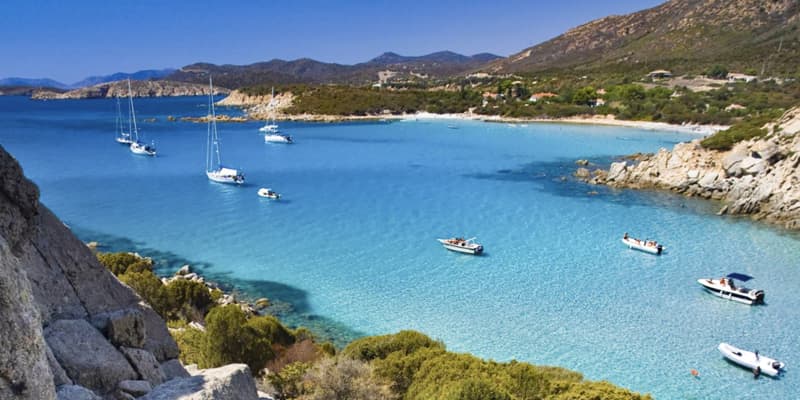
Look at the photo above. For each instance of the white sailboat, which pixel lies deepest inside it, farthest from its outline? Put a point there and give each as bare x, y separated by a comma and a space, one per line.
137, 147
215, 171
122, 137
271, 130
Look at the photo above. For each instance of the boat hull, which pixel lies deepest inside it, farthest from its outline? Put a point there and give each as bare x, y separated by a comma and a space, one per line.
233, 180
473, 249
142, 150
277, 139
750, 360
744, 296
638, 245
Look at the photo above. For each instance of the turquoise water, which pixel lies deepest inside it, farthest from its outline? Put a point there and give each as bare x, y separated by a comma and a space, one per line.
351, 248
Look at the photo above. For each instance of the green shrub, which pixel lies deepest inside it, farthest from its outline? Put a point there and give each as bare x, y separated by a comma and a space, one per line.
149, 287
186, 297
370, 348
750, 128
120, 263
228, 340
269, 327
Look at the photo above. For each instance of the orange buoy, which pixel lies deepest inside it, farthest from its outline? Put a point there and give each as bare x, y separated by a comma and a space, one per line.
695, 373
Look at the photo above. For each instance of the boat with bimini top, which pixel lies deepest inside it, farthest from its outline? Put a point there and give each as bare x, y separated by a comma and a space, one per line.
727, 289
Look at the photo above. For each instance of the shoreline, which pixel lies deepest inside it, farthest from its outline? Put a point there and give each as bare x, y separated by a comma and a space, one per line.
607, 120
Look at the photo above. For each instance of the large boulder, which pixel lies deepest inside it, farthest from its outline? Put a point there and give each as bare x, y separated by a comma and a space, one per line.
126, 328
173, 369
87, 357
752, 165
59, 375
135, 388
231, 382
157, 340
617, 171
145, 363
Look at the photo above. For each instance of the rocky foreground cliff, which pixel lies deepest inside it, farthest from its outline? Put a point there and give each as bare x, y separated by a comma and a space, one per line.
758, 177
138, 88
70, 330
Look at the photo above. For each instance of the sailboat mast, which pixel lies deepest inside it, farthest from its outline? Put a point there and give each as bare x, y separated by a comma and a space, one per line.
214, 133
118, 129
132, 121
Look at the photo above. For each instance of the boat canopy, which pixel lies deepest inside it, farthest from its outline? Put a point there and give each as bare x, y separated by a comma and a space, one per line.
740, 277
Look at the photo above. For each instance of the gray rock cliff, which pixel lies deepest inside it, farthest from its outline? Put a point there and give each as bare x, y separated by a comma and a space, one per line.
69, 329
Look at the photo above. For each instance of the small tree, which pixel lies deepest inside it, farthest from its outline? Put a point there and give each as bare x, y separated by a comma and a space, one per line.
717, 72
228, 340
288, 383
345, 378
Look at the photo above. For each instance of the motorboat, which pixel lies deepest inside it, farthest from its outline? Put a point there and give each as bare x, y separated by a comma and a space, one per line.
461, 245
758, 363
727, 289
226, 175
269, 193
647, 246
215, 171
277, 138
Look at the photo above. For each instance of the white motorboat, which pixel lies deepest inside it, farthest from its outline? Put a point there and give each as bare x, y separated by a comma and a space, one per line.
462, 245
758, 363
647, 246
215, 171
727, 289
137, 147
277, 138
269, 193
121, 137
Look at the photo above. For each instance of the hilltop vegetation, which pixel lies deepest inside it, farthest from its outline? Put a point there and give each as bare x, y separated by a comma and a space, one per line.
406, 365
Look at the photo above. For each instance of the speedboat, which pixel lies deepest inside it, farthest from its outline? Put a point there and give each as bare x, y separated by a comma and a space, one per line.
277, 138
647, 246
757, 363
727, 289
226, 175
269, 193
143, 149
462, 245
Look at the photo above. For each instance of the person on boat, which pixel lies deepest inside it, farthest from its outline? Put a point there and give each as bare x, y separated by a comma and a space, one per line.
625, 236
722, 281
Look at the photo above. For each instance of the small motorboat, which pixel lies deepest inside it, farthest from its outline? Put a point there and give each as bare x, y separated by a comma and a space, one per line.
647, 246
727, 289
752, 360
269, 193
277, 138
462, 245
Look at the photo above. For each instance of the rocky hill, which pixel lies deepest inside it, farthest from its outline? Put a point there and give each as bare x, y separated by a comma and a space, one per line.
759, 177
140, 89
679, 34
305, 70
70, 330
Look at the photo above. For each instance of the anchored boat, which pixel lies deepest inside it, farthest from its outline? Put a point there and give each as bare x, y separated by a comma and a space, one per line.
215, 171
727, 289
752, 360
269, 193
462, 245
647, 246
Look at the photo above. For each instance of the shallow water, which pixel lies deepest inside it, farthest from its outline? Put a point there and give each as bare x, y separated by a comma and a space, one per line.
350, 250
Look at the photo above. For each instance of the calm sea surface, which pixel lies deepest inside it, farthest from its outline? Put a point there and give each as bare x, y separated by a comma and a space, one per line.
350, 250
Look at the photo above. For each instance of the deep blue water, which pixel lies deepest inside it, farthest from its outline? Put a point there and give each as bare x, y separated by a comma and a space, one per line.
351, 248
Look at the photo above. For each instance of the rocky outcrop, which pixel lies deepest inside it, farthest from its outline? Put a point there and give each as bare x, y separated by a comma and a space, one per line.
261, 107
139, 89
71, 330
231, 382
759, 177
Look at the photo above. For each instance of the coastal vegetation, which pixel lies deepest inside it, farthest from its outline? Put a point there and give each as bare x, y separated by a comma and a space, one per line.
291, 365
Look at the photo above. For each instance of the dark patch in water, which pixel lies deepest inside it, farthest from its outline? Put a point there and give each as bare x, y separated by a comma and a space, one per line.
288, 302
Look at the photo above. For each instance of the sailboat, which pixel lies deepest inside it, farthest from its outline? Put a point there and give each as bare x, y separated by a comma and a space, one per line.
122, 137
215, 171
137, 147
272, 133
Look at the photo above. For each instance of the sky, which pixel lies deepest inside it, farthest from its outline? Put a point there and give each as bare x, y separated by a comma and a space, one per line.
71, 40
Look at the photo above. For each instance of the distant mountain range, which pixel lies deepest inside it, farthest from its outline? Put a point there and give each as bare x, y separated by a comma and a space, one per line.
685, 35
90, 81
305, 70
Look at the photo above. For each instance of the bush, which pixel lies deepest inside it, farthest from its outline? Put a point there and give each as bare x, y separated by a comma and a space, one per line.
188, 299
147, 285
344, 378
270, 328
120, 263
229, 340
406, 342
748, 129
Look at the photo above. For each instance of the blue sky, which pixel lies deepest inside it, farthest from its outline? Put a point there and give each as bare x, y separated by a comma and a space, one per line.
70, 40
